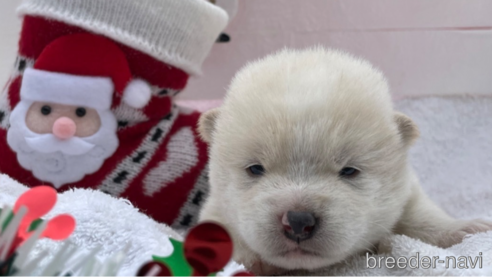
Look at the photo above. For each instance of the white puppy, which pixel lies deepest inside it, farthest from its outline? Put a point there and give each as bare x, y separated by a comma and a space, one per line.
308, 164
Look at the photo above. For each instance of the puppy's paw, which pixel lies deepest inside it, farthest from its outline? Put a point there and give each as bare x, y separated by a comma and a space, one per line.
463, 228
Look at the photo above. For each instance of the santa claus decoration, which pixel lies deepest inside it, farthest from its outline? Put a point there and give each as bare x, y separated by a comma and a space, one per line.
90, 102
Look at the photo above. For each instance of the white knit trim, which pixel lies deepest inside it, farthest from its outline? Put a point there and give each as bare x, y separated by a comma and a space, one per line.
130, 115
44, 86
5, 106
177, 32
121, 177
189, 213
182, 156
21, 63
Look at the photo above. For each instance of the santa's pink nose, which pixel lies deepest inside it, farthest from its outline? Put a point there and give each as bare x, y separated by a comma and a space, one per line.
64, 128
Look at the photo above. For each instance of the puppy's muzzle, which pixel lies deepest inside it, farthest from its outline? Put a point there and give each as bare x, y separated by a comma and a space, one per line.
298, 226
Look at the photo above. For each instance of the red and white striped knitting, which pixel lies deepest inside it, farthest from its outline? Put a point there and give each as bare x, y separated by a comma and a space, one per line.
160, 164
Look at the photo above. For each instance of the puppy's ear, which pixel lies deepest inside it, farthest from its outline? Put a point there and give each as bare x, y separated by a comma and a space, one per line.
206, 124
408, 130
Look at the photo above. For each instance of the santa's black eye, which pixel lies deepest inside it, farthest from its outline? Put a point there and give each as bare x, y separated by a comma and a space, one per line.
46, 110
256, 170
349, 172
80, 112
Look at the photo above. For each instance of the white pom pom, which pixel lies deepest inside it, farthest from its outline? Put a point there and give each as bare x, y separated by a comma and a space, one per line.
137, 94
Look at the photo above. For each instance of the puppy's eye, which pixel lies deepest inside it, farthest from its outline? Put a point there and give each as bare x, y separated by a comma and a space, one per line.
46, 110
80, 112
256, 170
348, 172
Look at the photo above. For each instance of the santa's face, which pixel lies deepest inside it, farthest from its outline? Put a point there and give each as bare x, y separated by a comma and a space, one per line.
63, 121
61, 143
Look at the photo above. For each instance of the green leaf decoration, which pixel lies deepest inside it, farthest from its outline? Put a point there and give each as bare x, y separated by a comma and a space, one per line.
7, 220
35, 224
32, 227
176, 263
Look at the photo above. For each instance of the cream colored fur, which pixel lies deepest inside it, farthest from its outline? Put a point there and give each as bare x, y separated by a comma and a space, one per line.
304, 115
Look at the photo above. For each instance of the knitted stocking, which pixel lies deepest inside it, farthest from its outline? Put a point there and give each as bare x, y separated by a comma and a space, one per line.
90, 102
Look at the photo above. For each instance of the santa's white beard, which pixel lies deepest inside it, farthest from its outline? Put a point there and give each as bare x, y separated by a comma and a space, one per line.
61, 166
62, 162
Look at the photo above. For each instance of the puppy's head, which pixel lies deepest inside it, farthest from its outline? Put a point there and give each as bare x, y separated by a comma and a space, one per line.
308, 158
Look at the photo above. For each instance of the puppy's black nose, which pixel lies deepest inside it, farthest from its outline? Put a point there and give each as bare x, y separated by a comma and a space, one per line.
298, 226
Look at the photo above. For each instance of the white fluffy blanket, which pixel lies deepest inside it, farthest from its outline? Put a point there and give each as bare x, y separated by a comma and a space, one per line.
453, 158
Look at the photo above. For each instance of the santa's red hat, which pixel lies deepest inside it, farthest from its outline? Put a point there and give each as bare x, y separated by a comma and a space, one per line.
84, 70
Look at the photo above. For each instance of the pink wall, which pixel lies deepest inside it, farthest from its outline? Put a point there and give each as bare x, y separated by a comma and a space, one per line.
438, 47
425, 47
